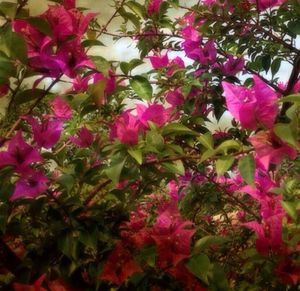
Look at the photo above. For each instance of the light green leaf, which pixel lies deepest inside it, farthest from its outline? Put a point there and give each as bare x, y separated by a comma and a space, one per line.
290, 98
207, 140
137, 8
247, 168
199, 265
175, 167
287, 132
142, 87
178, 129
227, 145
136, 154
223, 164
114, 171
291, 208
206, 241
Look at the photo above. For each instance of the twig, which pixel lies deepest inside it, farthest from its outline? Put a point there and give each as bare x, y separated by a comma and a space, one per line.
95, 191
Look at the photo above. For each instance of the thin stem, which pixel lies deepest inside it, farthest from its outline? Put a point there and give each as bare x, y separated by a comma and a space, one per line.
17, 122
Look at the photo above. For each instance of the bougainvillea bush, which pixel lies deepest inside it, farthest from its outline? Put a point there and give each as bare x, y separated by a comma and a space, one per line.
120, 181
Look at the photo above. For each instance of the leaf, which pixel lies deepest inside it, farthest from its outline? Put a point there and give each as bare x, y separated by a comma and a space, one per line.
223, 164
275, 66
92, 42
266, 62
16, 46
3, 217
29, 95
175, 167
287, 132
8, 9
291, 209
290, 98
136, 154
102, 64
206, 140
98, 91
41, 25
207, 154
207, 241
142, 87
67, 181
227, 145
177, 128
67, 244
137, 8
294, 27
246, 167
114, 171
199, 265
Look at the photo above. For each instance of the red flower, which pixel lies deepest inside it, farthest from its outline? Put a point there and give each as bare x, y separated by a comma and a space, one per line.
119, 266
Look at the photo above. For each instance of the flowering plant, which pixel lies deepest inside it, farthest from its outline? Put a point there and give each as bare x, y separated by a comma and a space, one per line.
112, 179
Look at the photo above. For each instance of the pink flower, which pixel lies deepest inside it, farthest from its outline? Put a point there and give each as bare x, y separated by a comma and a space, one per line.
172, 237
119, 266
47, 132
174, 65
31, 186
19, 154
270, 149
3, 90
269, 233
126, 128
61, 108
85, 138
251, 107
264, 4
175, 97
159, 61
154, 112
233, 65
154, 6
189, 32
69, 4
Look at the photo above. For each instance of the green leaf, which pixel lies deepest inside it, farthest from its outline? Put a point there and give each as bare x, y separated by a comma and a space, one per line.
207, 140
266, 62
137, 8
114, 171
136, 154
207, 154
247, 168
287, 132
294, 27
199, 265
177, 128
101, 63
291, 208
175, 167
290, 98
275, 66
92, 42
67, 244
223, 164
3, 217
67, 181
227, 145
207, 241
142, 87
29, 95
41, 25
16, 46
8, 9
